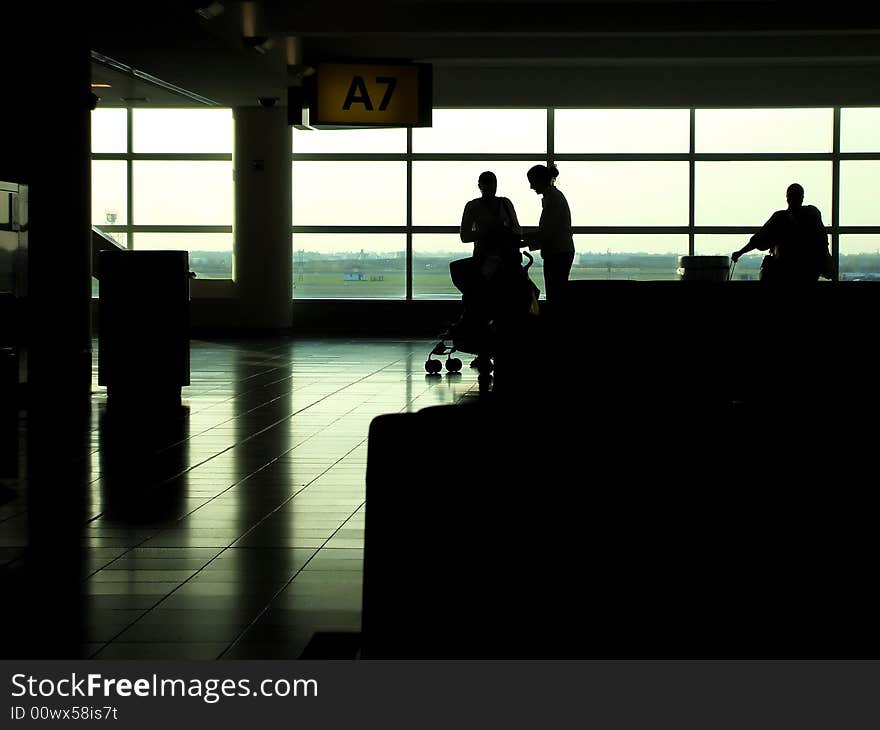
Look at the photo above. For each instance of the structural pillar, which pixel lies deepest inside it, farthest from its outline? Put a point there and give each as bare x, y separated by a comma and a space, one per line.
59, 217
263, 266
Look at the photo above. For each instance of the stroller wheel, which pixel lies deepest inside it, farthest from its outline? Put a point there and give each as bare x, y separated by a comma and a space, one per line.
433, 366
453, 365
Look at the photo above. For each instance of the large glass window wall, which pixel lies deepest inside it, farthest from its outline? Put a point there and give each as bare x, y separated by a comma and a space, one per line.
645, 186
376, 212
162, 179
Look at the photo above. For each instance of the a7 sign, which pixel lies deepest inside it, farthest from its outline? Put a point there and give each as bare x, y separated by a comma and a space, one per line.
371, 94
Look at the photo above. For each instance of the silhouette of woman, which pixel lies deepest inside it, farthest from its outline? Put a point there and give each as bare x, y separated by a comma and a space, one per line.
553, 236
490, 223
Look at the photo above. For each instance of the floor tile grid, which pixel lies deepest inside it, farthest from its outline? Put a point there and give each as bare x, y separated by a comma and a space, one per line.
283, 587
372, 399
241, 642
237, 483
192, 577
195, 575
243, 441
99, 397
96, 479
95, 453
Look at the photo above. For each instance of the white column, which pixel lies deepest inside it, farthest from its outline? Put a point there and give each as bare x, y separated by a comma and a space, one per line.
263, 267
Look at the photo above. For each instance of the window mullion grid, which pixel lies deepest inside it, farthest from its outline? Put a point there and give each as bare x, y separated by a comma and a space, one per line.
409, 219
551, 157
129, 173
692, 184
296, 270
835, 197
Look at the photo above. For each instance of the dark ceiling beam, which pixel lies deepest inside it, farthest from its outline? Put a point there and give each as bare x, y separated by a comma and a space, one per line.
579, 48
323, 16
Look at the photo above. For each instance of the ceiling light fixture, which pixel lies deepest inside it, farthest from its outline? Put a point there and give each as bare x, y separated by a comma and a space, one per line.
293, 51
249, 19
211, 10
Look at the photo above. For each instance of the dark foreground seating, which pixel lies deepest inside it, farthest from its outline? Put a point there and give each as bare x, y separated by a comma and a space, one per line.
614, 535
601, 514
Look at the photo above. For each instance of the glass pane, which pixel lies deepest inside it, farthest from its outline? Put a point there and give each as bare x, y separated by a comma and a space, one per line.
351, 265
600, 131
441, 189
210, 254
626, 193
489, 131
860, 130
764, 130
749, 265
351, 141
109, 130
432, 253
747, 193
625, 256
109, 192
860, 257
858, 196
349, 193
183, 193
182, 130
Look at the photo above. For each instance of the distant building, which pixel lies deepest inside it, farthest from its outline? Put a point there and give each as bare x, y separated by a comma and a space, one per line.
354, 276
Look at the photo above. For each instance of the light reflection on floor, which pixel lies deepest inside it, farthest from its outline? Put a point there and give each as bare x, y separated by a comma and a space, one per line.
231, 530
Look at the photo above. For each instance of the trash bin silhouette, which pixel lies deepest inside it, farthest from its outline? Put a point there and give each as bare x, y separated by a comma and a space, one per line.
143, 326
703, 268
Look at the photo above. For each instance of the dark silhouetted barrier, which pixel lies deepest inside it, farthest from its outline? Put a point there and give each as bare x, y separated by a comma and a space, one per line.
614, 500
616, 534
721, 340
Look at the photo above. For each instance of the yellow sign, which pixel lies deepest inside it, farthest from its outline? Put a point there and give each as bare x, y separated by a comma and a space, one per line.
372, 94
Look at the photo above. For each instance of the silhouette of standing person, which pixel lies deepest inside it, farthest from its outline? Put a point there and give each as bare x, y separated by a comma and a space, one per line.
797, 241
553, 236
490, 223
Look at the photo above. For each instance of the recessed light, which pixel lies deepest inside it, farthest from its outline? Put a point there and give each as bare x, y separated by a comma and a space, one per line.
210, 9
101, 86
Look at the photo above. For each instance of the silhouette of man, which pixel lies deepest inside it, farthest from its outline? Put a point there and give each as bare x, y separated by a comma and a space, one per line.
797, 242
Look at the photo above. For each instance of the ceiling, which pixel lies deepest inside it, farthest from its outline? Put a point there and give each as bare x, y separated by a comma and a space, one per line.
165, 53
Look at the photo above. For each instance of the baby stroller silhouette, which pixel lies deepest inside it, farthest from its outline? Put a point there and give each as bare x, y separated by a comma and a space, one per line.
499, 300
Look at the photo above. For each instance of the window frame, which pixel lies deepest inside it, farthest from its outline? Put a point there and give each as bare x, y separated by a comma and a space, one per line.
132, 228
835, 157
692, 157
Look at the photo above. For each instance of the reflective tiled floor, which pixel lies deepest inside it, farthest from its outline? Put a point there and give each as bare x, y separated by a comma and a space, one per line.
231, 529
